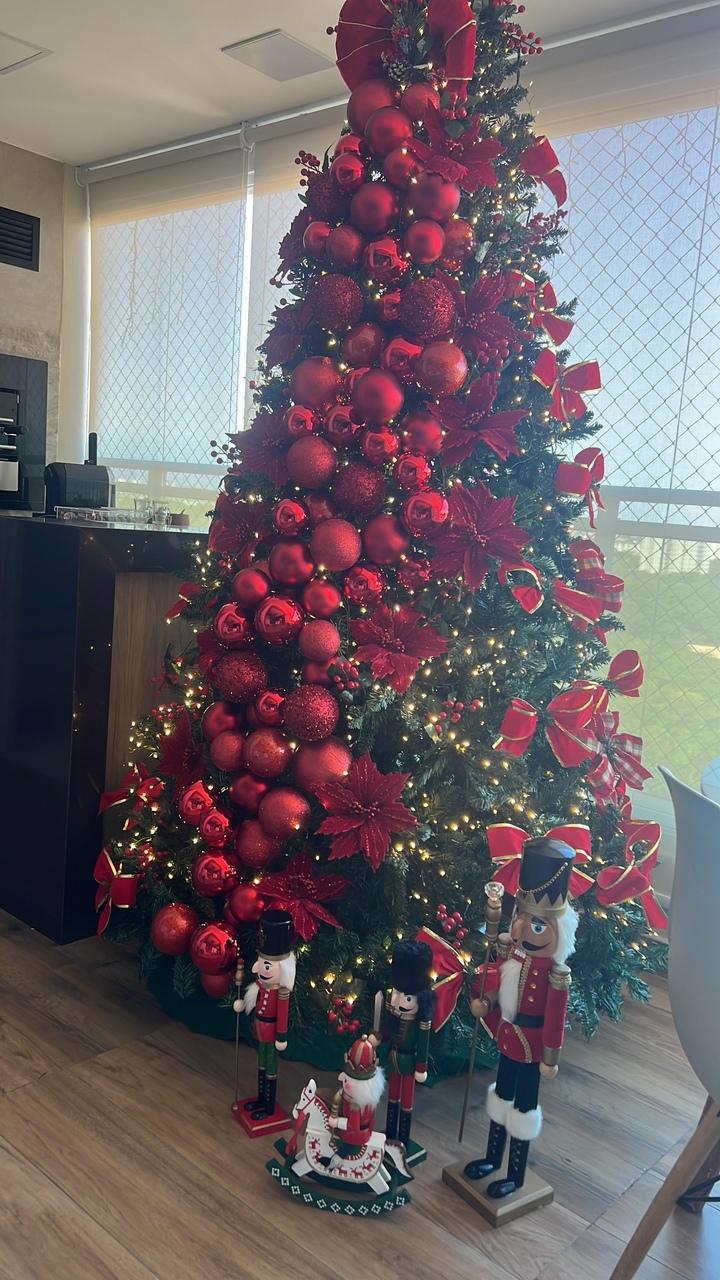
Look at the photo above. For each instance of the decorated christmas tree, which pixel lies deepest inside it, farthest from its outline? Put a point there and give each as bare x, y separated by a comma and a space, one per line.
400, 666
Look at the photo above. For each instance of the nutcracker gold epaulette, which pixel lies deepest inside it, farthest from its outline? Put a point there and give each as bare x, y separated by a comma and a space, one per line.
560, 977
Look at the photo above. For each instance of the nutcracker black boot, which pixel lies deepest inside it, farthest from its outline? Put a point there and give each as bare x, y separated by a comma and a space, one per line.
256, 1104
517, 1164
497, 1138
391, 1119
404, 1128
270, 1094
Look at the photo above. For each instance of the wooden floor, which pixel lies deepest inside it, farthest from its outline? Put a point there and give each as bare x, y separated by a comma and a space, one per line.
119, 1159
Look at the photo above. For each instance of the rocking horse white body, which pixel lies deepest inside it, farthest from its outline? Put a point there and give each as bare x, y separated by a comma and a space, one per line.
361, 1168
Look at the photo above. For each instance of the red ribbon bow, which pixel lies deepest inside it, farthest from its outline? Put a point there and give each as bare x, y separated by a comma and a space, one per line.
528, 595
566, 383
116, 888
615, 885
186, 595
581, 479
452, 26
583, 609
137, 782
591, 575
542, 306
567, 725
540, 161
620, 760
626, 673
506, 843
449, 975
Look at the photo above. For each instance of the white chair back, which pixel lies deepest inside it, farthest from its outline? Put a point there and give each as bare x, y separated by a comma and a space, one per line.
694, 931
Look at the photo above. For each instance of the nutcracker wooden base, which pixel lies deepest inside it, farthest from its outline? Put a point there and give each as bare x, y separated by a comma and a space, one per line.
534, 1193
275, 1123
415, 1154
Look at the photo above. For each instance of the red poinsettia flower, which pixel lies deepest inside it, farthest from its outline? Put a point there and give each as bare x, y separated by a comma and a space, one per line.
209, 648
291, 249
286, 334
394, 642
181, 758
483, 332
466, 160
468, 421
236, 524
302, 890
262, 449
479, 529
365, 810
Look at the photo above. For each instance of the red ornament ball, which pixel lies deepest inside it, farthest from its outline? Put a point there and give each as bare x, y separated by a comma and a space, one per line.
319, 640
424, 241
319, 506
377, 396
232, 627
213, 874
425, 513
359, 490
239, 677
311, 462
299, 420
194, 801
247, 791
269, 707
379, 447
217, 985
319, 762
226, 751
362, 345
278, 621
427, 308
284, 813
336, 544
214, 828
290, 563
386, 129
315, 239
250, 587
254, 847
267, 752
325, 200
400, 166
442, 368
369, 96
364, 585
417, 98
339, 426
321, 598
290, 517
414, 573
315, 382
337, 302
385, 540
348, 170
422, 433
213, 947
311, 713
399, 358
220, 716
412, 471
433, 197
246, 905
345, 246
459, 244
172, 928
374, 208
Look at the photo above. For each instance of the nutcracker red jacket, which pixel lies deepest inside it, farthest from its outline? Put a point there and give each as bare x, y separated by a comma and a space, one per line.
534, 1031
272, 1011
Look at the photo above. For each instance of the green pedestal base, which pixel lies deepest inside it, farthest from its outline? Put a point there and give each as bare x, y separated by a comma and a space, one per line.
323, 1193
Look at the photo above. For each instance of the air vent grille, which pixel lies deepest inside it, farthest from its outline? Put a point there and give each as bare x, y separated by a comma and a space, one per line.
19, 239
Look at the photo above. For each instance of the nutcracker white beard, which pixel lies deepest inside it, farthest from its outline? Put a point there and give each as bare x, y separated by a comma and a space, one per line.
363, 1093
567, 923
509, 987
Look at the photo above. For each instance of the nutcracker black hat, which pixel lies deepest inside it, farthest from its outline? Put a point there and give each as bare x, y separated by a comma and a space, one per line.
412, 964
275, 935
545, 870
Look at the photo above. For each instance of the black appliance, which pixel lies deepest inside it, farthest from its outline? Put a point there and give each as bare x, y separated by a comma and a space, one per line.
11, 476
71, 484
23, 432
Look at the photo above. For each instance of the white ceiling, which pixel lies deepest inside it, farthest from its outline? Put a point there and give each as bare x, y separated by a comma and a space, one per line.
122, 76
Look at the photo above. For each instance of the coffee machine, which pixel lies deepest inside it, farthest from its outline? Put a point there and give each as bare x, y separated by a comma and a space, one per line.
13, 489
23, 432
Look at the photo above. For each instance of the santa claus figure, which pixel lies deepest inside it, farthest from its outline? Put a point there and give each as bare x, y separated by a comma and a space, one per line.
526, 1011
354, 1106
267, 1001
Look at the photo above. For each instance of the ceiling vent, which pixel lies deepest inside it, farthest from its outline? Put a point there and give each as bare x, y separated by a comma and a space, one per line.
15, 54
278, 55
19, 239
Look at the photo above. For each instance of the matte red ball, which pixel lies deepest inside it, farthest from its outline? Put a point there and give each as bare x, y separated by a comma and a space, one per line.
442, 368
350, 144
362, 345
379, 446
300, 420
319, 762
417, 98
385, 540
193, 802
291, 563
239, 677
369, 96
226, 750
220, 716
412, 471
358, 489
335, 544
319, 640
214, 828
424, 240
399, 358
268, 707
213, 947
217, 985
425, 513
374, 208
315, 239
172, 928
284, 813
336, 301
321, 598
247, 791
386, 129
245, 903
427, 308
311, 713
318, 672
311, 462
250, 587
319, 506
364, 585
339, 425
399, 166
267, 752
432, 197
345, 246
348, 170
278, 620
459, 244
315, 382
384, 262
232, 627
254, 847
422, 433
290, 517
213, 874
377, 396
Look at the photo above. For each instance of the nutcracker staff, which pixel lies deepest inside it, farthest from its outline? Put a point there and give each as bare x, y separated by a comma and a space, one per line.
405, 1025
526, 1012
268, 1002
354, 1105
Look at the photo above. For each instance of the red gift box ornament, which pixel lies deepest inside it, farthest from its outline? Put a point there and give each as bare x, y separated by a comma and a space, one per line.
506, 843
615, 885
567, 724
116, 888
581, 478
626, 673
540, 162
567, 384
452, 28
619, 760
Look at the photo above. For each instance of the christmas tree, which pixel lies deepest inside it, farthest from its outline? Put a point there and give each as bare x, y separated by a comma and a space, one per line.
400, 665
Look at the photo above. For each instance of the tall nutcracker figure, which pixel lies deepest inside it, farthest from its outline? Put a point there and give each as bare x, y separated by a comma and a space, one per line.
267, 1002
404, 1025
526, 1011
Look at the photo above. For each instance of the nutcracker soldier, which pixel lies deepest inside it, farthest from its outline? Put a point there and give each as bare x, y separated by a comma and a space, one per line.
404, 1025
267, 1002
355, 1103
526, 1011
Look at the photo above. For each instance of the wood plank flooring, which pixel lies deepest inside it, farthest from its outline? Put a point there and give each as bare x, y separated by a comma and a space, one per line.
119, 1159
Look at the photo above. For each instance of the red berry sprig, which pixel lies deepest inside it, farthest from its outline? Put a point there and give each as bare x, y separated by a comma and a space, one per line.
453, 926
340, 1016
